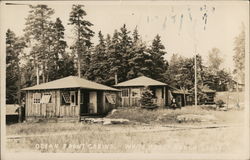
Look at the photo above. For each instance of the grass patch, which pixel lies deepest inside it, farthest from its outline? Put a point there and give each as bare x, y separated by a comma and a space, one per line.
166, 116
103, 139
97, 138
169, 116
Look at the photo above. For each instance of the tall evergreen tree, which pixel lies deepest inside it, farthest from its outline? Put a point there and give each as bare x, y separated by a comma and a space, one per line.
125, 49
58, 50
14, 49
38, 32
83, 35
139, 62
98, 69
115, 59
157, 53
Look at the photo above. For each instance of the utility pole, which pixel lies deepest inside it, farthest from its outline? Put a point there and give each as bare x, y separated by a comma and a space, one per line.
195, 78
19, 95
237, 90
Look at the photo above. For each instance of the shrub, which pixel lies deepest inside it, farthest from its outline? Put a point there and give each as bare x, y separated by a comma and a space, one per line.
147, 99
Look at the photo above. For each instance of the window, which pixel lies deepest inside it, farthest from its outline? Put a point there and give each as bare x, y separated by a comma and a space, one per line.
110, 98
46, 98
114, 97
124, 92
65, 98
37, 98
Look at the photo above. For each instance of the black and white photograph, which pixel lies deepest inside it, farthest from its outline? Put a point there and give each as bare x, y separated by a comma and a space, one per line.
124, 80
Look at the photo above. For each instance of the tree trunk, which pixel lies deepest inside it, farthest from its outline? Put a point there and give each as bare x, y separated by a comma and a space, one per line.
37, 75
43, 72
79, 68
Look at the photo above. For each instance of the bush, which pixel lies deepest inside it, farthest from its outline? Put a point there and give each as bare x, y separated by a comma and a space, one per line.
220, 103
147, 99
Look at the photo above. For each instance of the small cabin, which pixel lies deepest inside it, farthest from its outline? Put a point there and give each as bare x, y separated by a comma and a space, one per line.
131, 91
182, 97
69, 97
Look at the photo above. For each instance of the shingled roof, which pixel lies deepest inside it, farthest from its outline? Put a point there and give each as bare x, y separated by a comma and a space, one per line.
71, 82
140, 81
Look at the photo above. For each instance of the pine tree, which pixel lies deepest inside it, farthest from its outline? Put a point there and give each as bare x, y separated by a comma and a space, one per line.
66, 66
58, 50
98, 67
139, 62
157, 53
114, 59
147, 99
38, 33
14, 49
83, 37
125, 49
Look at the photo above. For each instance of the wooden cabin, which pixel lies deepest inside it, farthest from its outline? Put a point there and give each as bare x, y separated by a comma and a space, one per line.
182, 97
131, 91
69, 97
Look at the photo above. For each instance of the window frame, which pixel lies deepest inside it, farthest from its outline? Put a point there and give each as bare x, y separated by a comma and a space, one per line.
63, 98
50, 99
127, 92
35, 99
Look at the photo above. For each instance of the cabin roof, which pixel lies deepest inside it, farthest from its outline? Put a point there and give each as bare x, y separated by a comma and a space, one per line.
179, 91
71, 82
206, 89
140, 81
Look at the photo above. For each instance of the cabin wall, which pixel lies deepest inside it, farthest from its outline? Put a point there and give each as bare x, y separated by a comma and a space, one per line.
134, 99
54, 109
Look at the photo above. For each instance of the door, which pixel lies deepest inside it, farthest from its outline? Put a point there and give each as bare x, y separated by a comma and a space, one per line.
85, 102
93, 101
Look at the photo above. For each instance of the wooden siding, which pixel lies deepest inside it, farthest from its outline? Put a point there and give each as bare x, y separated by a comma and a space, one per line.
129, 101
49, 110
56, 109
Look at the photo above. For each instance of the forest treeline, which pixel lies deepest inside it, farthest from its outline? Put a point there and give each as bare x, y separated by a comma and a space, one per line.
42, 54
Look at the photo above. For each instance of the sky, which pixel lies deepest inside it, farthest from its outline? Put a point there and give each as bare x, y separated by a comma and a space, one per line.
179, 24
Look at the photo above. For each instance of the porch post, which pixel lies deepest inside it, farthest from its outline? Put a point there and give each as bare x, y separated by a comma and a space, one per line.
78, 104
103, 102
